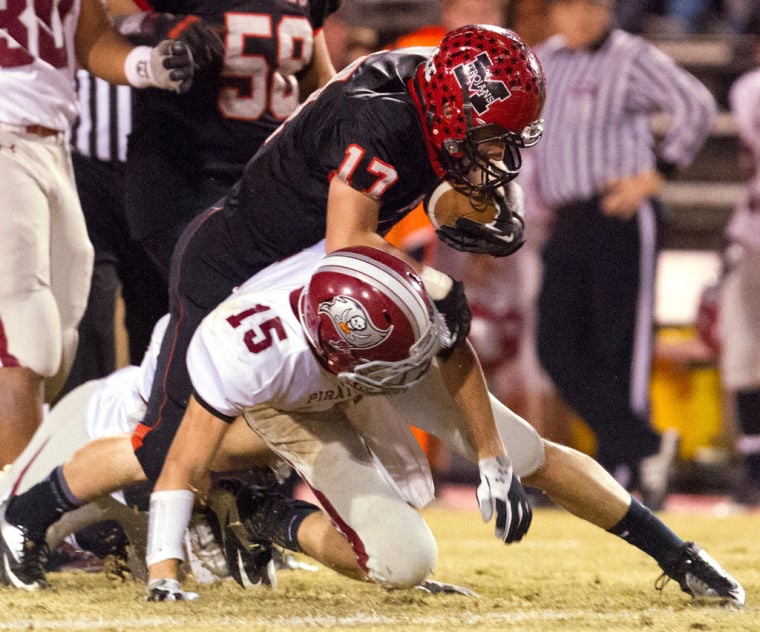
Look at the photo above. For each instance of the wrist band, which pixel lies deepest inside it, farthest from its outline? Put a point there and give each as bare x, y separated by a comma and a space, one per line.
137, 67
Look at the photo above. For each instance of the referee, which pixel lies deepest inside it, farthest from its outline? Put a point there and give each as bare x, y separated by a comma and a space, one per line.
599, 170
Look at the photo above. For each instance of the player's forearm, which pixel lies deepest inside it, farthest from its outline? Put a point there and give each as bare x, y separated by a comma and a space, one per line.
466, 384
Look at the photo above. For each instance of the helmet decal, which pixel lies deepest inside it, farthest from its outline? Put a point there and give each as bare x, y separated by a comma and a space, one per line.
353, 324
477, 88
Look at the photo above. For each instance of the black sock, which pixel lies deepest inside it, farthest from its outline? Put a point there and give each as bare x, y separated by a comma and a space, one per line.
42, 504
748, 414
748, 411
641, 528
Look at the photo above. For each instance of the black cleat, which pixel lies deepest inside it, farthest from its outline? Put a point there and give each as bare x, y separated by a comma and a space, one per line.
702, 577
23, 556
249, 559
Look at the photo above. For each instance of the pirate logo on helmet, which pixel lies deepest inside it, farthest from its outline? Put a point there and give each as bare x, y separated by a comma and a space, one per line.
480, 91
353, 324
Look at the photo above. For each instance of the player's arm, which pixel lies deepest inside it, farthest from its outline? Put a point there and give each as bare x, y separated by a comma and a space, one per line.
185, 471
102, 50
319, 71
500, 492
466, 384
352, 218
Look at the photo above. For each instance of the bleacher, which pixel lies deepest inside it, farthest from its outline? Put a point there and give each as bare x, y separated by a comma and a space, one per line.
700, 199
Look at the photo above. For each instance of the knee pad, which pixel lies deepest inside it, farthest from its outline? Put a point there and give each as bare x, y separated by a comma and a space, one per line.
399, 546
33, 330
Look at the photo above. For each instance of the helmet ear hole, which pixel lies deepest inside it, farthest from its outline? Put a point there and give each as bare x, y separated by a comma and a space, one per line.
452, 147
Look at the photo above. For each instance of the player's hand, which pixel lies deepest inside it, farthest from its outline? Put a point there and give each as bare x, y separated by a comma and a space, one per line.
501, 492
168, 590
457, 315
171, 66
168, 66
206, 46
152, 27
623, 197
499, 238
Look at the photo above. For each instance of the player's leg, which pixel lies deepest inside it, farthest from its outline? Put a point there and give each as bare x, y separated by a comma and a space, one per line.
30, 344
740, 365
60, 435
576, 482
71, 263
383, 537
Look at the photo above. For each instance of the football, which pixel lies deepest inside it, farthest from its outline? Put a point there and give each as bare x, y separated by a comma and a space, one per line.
446, 204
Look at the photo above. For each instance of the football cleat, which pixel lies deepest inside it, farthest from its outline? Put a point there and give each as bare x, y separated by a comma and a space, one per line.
23, 556
700, 576
249, 560
433, 587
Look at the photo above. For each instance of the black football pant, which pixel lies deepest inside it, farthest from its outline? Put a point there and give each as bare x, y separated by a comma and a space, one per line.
119, 262
595, 325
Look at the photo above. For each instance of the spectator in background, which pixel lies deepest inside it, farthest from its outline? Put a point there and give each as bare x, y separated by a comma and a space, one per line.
740, 307
47, 258
598, 172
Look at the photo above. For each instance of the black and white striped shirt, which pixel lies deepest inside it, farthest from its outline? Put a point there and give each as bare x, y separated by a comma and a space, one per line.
105, 118
598, 115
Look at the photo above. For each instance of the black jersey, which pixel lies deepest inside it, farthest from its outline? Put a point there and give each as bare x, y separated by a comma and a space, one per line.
362, 127
266, 42
181, 143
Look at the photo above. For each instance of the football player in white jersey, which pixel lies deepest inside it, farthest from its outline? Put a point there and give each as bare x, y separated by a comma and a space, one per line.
330, 376
47, 258
740, 306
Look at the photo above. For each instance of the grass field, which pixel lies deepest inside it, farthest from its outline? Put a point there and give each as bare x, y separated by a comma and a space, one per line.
565, 576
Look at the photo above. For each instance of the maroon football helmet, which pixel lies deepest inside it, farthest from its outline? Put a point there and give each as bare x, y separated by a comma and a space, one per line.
369, 319
481, 85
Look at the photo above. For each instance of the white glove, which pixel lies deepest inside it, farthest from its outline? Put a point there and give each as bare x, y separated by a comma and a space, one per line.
168, 66
168, 590
501, 491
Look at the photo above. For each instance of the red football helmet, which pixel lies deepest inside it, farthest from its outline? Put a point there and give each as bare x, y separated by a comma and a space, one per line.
369, 319
482, 85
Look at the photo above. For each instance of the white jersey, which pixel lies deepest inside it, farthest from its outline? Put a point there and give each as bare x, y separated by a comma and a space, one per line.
37, 63
744, 226
120, 401
246, 353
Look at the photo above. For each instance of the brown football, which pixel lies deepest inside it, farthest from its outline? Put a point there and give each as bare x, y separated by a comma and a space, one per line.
446, 204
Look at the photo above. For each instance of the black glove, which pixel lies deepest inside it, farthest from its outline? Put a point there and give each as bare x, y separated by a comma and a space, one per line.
168, 66
501, 491
150, 28
499, 238
456, 312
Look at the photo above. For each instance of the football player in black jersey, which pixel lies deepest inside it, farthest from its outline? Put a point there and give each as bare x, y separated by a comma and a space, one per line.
185, 153
348, 164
